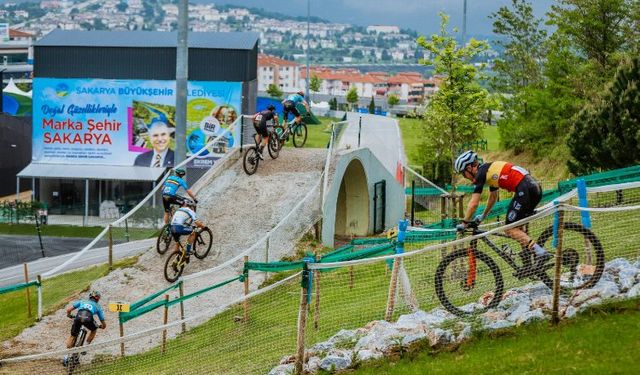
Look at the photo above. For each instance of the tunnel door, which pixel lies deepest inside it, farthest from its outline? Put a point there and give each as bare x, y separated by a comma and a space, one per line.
379, 203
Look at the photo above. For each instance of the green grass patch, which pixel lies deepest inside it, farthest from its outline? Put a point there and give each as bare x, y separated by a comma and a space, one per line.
75, 231
56, 294
317, 135
603, 340
411, 132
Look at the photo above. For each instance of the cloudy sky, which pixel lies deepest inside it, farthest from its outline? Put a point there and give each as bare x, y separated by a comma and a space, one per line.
420, 15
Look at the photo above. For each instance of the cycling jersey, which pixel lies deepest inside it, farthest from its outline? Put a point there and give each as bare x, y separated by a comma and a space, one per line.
172, 185
295, 98
91, 306
184, 216
498, 174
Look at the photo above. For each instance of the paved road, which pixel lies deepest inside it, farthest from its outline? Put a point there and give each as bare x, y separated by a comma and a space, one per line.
380, 134
97, 255
19, 249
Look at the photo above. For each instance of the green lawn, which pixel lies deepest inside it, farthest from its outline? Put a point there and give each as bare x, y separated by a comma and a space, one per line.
318, 135
74, 231
602, 341
56, 293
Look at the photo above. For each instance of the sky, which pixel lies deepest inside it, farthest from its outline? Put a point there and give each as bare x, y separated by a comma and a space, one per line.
419, 15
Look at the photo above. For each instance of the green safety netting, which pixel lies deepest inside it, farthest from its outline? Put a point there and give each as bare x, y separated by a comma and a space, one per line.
435, 235
616, 176
383, 249
140, 307
369, 241
14, 287
337, 252
273, 266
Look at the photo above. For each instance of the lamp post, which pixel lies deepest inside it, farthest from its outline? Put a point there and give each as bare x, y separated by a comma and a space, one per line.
182, 74
308, 50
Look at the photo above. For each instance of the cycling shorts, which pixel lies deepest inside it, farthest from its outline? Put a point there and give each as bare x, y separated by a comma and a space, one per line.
261, 128
289, 107
180, 230
523, 204
168, 200
83, 318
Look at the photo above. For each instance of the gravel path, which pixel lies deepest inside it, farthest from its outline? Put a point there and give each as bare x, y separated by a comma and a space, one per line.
240, 210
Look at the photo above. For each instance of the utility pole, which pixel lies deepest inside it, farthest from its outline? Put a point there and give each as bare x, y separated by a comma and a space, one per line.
308, 49
464, 23
182, 74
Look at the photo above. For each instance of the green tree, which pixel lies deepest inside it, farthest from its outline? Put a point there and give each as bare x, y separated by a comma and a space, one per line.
453, 115
372, 106
352, 96
122, 6
606, 133
315, 83
392, 100
596, 28
274, 91
522, 43
333, 104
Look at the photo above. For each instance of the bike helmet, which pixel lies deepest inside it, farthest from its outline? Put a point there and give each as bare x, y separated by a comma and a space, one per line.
465, 159
190, 203
180, 172
94, 294
301, 93
271, 107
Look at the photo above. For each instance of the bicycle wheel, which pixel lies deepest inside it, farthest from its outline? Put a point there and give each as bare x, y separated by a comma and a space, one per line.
274, 147
74, 359
174, 266
251, 160
164, 240
203, 242
299, 134
582, 262
465, 277
278, 130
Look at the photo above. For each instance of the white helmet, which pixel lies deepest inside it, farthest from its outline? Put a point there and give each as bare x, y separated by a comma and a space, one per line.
465, 159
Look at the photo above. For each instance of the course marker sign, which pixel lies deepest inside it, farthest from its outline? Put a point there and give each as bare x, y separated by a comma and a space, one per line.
119, 306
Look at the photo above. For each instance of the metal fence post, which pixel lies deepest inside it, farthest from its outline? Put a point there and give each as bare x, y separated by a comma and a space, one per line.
413, 202
359, 130
316, 315
126, 230
302, 318
39, 297
38, 229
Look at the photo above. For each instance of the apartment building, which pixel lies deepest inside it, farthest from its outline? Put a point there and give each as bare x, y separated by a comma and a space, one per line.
283, 73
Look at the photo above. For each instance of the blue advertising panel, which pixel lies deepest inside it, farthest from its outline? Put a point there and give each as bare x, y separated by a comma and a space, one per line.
128, 122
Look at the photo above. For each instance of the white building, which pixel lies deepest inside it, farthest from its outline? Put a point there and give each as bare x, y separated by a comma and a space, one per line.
382, 29
273, 70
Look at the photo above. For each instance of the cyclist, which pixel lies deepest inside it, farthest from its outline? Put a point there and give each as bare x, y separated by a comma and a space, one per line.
170, 192
183, 221
500, 174
86, 310
260, 122
289, 105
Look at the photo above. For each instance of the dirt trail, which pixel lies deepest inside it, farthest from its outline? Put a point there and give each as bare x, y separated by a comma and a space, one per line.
240, 210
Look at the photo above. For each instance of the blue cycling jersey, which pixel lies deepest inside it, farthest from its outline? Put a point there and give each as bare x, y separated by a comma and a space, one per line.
172, 185
295, 98
91, 306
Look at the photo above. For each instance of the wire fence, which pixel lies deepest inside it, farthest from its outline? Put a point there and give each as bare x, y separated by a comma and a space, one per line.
471, 283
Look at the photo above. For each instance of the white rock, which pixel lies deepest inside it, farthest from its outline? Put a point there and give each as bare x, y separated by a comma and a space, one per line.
607, 289
616, 265
500, 324
413, 337
570, 312
544, 302
287, 359
439, 336
513, 300
313, 365
381, 336
530, 316
492, 316
412, 322
465, 334
519, 311
441, 315
627, 278
471, 307
535, 290
366, 355
283, 369
324, 346
634, 291
583, 295
336, 360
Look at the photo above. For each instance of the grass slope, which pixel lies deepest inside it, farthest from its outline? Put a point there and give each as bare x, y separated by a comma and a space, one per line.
603, 340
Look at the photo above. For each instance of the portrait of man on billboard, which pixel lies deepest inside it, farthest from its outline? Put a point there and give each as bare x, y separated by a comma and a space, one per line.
161, 155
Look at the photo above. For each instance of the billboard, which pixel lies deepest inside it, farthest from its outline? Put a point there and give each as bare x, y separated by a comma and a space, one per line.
128, 122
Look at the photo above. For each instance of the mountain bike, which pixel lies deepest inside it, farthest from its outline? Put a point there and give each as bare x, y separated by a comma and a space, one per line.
164, 239
251, 159
298, 133
73, 360
177, 260
469, 275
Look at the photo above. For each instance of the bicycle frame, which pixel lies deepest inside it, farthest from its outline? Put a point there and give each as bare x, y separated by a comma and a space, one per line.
503, 254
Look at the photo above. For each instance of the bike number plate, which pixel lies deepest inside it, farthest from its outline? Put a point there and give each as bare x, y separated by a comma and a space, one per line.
119, 306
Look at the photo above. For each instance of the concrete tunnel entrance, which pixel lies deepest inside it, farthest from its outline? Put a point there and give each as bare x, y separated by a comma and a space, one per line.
352, 207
